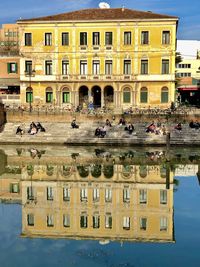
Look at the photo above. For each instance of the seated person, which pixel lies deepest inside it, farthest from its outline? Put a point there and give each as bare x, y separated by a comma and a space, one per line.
151, 128
194, 125
40, 127
178, 127
102, 132
74, 125
32, 125
108, 123
97, 132
122, 121
33, 130
129, 128
19, 130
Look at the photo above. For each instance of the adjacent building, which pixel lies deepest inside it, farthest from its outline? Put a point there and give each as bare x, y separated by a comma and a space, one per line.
9, 64
188, 71
115, 58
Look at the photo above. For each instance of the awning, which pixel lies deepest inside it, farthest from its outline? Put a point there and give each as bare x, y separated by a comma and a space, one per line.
189, 89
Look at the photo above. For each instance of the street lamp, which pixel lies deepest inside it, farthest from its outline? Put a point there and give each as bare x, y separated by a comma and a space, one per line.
30, 73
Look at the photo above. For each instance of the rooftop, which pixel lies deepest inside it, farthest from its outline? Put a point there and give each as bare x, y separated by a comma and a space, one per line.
99, 14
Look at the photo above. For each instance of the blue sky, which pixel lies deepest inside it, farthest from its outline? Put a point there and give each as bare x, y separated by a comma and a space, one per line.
189, 22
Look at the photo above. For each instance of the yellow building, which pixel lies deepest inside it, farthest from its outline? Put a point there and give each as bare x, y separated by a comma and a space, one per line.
102, 202
117, 58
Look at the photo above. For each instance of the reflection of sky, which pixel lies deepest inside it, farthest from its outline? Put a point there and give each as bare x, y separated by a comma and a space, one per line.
23, 252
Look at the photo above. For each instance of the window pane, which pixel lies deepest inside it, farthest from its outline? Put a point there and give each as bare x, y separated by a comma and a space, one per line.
108, 38
48, 38
126, 96
127, 67
144, 66
29, 97
127, 38
30, 219
66, 220
143, 96
49, 97
66, 97
164, 97
65, 67
108, 67
83, 38
144, 37
165, 66
65, 38
96, 38
28, 39
166, 37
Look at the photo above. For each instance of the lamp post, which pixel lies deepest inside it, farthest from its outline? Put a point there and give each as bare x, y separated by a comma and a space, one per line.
30, 73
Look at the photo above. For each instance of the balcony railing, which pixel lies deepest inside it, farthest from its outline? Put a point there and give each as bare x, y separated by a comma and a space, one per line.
96, 77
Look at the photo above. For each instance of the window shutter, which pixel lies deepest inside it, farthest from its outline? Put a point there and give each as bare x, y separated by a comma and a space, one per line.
8, 67
143, 97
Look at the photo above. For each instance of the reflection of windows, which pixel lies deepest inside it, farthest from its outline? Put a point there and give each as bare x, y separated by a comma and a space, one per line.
126, 223
14, 188
108, 195
163, 196
96, 221
66, 194
96, 194
30, 219
126, 195
108, 221
49, 193
143, 196
30, 193
126, 95
48, 39
143, 223
163, 224
83, 220
66, 220
28, 39
50, 222
127, 67
83, 194
127, 38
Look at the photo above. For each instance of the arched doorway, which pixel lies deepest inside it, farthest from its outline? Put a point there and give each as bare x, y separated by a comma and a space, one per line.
83, 95
96, 93
108, 96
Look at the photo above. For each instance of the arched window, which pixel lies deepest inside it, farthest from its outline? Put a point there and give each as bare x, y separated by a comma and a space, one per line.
164, 95
65, 95
49, 95
143, 95
126, 95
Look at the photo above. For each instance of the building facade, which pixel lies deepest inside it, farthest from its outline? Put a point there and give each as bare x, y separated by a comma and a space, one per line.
188, 71
9, 64
116, 58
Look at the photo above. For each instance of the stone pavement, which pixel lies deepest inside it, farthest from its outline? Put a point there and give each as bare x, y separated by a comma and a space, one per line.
62, 133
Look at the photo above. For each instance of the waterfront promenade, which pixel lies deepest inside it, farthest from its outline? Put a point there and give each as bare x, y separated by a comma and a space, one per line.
62, 133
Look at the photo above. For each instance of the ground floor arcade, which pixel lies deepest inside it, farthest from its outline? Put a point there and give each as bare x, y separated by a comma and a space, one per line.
98, 95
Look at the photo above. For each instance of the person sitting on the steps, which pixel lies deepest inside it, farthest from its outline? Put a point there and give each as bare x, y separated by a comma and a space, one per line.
74, 125
40, 127
19, 130
97, 132
129, 128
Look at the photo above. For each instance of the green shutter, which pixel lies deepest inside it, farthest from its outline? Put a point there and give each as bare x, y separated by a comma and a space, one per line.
127, 97
164, 97
8, 67
29, 97
16, 68
65, 97
143, 97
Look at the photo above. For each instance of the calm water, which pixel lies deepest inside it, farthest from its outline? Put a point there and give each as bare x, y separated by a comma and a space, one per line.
174, 183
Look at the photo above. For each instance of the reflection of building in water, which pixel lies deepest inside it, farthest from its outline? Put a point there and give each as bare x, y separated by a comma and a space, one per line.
98, 201
10, 176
